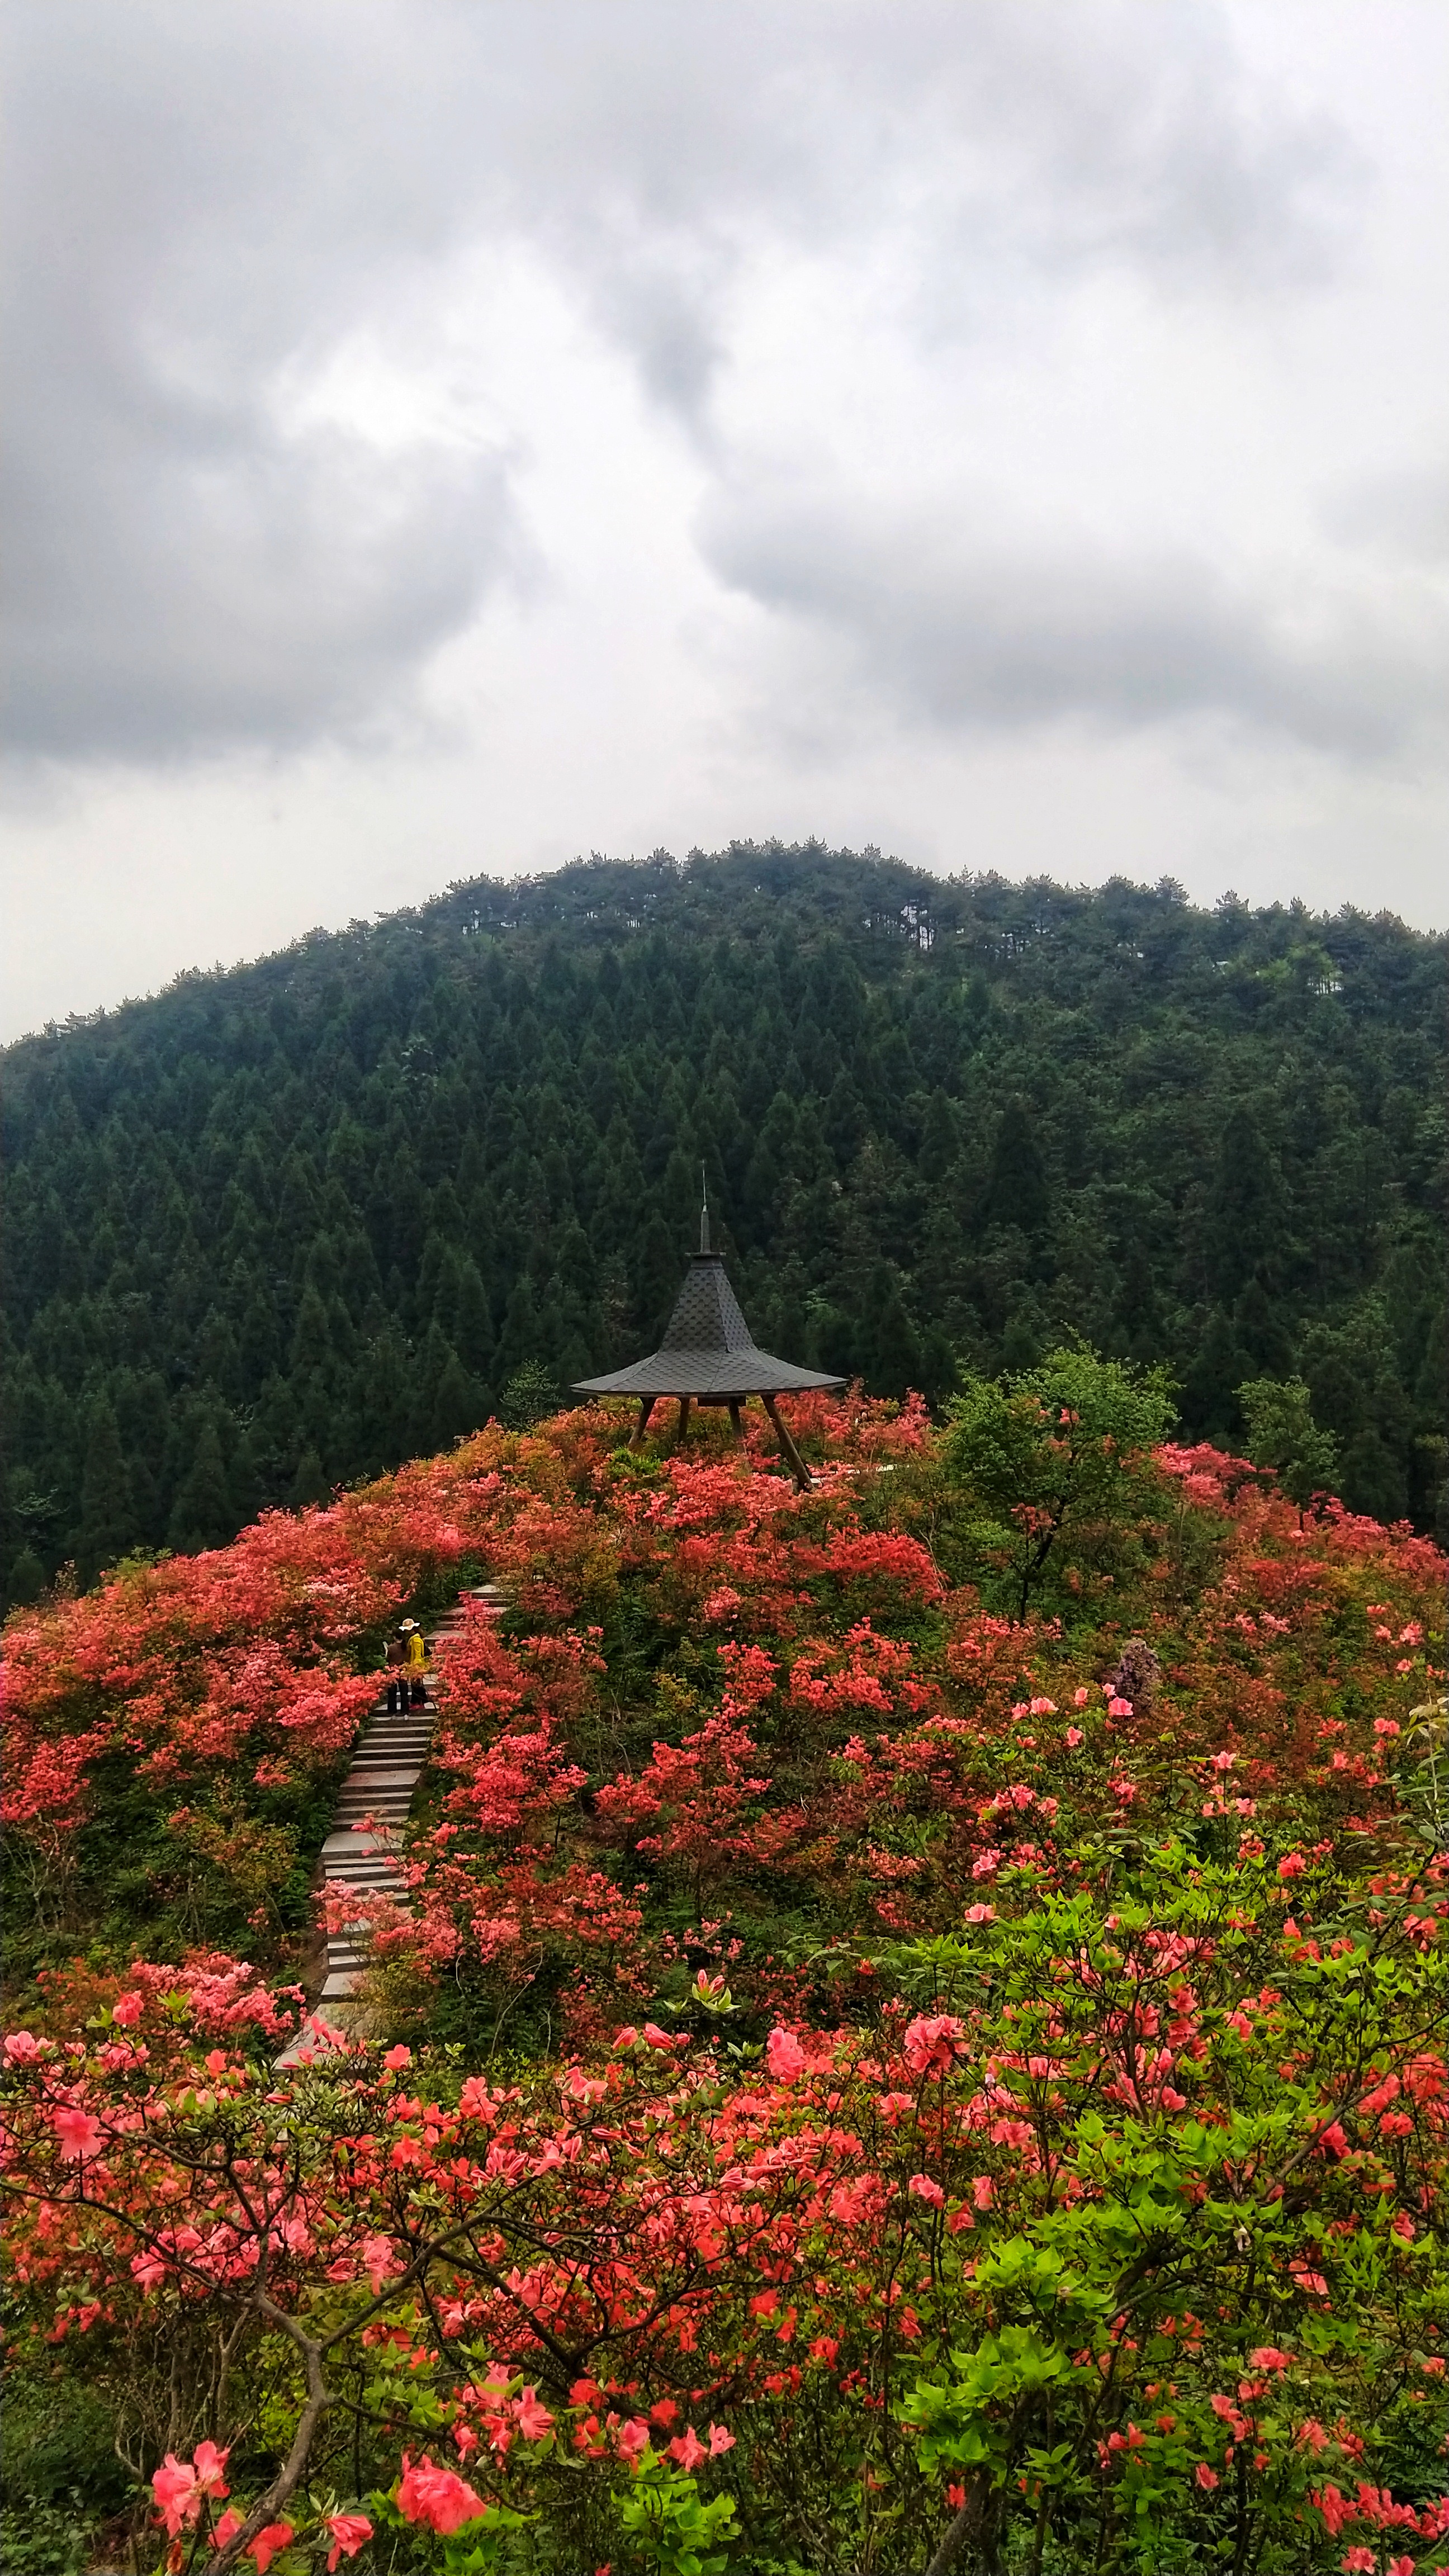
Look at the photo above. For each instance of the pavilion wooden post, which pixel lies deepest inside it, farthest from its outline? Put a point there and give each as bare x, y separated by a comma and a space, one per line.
795, 1462
646, 1407
737, 1422
684, 1403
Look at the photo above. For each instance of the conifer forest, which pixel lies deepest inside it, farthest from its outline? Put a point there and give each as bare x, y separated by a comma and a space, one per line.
283, 1227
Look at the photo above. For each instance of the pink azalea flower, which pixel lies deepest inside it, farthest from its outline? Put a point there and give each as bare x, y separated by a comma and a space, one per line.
397, 2058
1119, 1708
785, 2055
348, 2532
980, 1914
687, 2448
379, 2257
1074, 1735
719, 2441
436, 2497
983, 2191
929, 2044
128, 2008
1207, 2478
534, 2419
177, 2495
922, 2188
21, 2047
272, 2537
209, 2464
632, 2439
79, 2134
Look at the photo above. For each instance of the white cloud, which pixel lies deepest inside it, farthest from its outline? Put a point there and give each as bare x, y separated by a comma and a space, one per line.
395, 385
959, 620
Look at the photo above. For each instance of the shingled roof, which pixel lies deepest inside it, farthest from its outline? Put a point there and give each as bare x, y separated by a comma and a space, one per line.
708, 1350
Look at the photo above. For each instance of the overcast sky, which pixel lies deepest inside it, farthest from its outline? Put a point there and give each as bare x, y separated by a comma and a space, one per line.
448, 436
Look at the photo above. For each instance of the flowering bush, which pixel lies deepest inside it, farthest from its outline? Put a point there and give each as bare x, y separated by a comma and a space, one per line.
861, 2077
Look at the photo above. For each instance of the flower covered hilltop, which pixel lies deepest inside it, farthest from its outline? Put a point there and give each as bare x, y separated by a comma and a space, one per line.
909, 2017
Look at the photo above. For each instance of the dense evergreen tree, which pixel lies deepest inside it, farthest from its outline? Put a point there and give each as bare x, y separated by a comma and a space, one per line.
280, 1227
107, 1507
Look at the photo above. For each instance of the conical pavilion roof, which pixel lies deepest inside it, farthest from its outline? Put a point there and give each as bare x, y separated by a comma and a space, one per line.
707, 1350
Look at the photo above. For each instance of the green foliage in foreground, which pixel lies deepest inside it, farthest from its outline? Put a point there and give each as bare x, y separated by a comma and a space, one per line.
1052, 1459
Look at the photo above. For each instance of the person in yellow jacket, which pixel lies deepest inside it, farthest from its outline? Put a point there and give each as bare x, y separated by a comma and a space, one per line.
415, 1648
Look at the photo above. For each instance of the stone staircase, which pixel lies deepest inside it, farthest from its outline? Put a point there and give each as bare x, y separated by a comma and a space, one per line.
387, 1764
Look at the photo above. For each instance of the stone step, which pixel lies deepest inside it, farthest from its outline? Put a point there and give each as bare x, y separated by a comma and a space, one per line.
388, 1761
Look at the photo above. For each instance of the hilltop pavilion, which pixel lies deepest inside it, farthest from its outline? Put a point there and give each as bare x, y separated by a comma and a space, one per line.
710, 1357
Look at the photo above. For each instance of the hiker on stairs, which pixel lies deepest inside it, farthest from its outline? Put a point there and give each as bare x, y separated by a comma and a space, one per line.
417, 1664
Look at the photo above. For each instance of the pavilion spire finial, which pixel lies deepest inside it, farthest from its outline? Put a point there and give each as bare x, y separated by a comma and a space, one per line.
704, 1211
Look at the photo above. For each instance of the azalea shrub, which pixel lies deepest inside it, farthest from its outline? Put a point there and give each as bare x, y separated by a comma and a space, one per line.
1127, 2241
862, 2079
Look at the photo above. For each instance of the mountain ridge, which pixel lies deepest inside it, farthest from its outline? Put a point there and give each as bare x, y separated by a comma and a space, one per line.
285, 1223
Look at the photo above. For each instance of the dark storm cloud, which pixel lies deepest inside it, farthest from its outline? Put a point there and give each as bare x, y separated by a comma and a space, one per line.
965, 627
206, 201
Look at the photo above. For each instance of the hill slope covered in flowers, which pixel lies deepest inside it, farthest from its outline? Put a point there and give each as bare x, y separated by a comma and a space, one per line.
869, 2079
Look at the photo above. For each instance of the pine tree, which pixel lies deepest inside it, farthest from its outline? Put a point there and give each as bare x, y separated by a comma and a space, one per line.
25, 1581
203, 1514
891, 1353
939, 1140
532, 1393
456, 1406
107, 1521
472, 1322
1244, 1216
309, 1485
1016, 1188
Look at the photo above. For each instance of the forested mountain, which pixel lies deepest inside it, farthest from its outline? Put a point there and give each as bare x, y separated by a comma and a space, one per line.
283, 1226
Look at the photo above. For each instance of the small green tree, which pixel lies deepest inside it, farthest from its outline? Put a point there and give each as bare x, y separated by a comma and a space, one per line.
310, 1484
1049, 1455
26, 1580
530, 1396
1283, 1436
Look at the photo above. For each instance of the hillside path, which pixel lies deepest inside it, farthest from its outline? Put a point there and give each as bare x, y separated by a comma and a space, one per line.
387, 1764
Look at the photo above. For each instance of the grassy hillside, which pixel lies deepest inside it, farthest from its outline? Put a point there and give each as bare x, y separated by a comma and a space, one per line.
283, 1227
